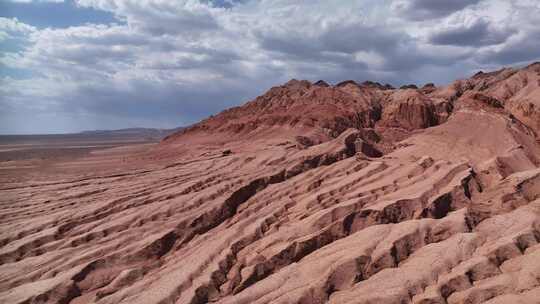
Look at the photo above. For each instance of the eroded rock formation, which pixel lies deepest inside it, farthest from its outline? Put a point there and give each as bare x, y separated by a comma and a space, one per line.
354, 193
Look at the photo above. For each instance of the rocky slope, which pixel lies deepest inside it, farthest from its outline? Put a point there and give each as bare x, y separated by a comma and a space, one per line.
311, 193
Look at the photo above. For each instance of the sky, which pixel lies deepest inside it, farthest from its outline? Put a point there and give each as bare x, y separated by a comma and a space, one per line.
73, 65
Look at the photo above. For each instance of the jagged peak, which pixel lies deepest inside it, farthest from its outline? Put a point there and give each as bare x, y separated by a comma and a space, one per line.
408, 86
297, 83
377, 85
346, 82
321, 83
535, 66
478, 74
482, 74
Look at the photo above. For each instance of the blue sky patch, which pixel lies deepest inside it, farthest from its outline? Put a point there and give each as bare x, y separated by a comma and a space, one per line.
55, 15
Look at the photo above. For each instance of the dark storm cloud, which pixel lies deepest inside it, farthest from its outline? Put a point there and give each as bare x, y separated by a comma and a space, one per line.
480, 33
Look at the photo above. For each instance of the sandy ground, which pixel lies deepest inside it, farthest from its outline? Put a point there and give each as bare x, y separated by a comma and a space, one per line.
42, 158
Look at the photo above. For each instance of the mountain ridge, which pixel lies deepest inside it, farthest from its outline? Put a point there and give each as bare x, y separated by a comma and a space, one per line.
319, 111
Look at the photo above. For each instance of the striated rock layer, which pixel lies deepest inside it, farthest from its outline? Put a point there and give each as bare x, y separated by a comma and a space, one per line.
311, 193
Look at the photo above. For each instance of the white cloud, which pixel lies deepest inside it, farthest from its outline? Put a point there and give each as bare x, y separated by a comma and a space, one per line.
178, 61
12, 28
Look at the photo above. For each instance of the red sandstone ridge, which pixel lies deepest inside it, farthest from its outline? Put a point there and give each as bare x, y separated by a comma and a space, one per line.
320, 112
311, 193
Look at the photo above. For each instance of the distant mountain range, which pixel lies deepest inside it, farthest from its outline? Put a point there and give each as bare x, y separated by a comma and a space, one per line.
120, 135
135, 132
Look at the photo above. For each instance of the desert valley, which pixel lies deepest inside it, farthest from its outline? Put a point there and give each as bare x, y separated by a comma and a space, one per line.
310, 193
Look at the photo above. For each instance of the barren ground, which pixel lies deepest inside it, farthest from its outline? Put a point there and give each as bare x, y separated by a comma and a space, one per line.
309, 194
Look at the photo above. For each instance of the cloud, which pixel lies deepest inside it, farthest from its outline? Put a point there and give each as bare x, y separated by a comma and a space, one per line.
160, 17
170, 63
478, 33
430, 9
522, 49
11, 27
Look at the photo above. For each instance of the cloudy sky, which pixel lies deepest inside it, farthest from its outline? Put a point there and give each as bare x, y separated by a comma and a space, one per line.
72, 65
